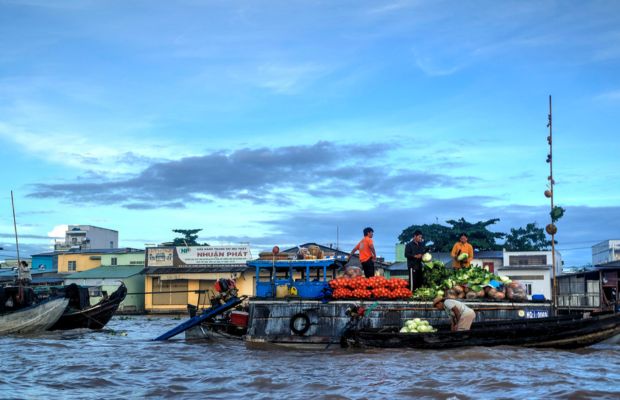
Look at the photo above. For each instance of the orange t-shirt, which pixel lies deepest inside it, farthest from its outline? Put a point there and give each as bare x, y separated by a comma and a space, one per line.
464, 248
364, 247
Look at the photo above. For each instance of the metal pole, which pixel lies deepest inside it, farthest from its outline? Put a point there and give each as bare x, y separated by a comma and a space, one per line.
551, 183
15, 227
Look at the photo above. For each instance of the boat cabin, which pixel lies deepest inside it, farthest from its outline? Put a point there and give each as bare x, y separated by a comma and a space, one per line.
307, 279
595, 290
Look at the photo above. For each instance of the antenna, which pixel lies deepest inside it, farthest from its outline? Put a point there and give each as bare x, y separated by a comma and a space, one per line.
551, 228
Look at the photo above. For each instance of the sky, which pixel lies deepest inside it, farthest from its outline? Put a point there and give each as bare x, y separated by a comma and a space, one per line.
286, 122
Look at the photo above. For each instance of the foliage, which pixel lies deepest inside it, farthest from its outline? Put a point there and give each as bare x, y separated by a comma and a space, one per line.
444, 237
556, 213
529, 238
188, 239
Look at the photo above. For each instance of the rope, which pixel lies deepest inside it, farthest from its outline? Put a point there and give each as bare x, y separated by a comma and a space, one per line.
200, 291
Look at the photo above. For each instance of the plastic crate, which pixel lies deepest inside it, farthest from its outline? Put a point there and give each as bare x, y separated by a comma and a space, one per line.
310, 290
239, 318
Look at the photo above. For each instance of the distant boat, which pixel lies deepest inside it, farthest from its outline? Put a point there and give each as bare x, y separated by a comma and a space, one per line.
80, 314
34, 318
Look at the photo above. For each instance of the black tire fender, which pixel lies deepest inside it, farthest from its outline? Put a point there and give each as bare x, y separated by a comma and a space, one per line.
306, 323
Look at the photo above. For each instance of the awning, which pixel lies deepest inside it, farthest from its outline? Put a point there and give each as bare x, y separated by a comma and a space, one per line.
208, 276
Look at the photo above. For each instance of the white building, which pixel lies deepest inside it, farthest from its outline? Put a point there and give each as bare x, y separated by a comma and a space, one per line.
88, 237
606, 252
532, 268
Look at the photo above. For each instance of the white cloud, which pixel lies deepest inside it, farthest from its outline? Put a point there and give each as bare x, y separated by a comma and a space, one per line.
58, 231
90, 150
613, 95
284, 78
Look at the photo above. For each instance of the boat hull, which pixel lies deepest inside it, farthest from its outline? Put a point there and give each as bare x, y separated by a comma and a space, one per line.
34, 319
94, 317
313, 324
556, 332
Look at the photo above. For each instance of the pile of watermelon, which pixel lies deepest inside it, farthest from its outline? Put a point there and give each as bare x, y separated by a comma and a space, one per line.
376, 287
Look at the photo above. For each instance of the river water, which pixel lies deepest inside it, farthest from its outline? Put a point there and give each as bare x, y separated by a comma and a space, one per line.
122, 362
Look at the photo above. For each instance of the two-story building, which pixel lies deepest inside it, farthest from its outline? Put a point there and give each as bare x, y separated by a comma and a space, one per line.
124, 265
534, 269
77, 260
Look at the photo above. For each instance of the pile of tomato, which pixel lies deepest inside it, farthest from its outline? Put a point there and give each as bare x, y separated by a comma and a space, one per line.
376, 287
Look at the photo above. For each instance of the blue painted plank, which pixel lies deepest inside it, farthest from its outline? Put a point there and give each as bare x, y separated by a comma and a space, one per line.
208, 313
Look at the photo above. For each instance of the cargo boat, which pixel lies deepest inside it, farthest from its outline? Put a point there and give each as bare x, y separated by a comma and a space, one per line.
312, 320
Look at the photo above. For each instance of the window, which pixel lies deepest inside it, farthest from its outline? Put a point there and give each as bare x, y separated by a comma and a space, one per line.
528, 260
71, 266
114, 261
111, 245
173, 292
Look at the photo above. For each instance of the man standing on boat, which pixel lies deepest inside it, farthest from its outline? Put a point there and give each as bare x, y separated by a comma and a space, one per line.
23, 273
414, 251
462, 253
461, 316
368, 255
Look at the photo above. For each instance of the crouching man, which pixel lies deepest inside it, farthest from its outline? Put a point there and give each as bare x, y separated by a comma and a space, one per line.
461, 316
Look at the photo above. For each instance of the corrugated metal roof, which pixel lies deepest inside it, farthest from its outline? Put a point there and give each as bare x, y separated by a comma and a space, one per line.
121, 250
489, 254
116, 271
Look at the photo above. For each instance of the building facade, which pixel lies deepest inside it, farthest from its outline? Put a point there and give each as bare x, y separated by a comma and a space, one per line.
82, 237
606, 252
83, 260
133, 258
534, 269
178, 276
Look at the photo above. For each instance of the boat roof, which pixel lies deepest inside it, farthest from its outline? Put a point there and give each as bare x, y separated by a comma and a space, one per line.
197, 269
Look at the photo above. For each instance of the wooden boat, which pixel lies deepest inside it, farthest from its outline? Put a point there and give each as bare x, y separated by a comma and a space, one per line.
34, 318
80, 314
571, 331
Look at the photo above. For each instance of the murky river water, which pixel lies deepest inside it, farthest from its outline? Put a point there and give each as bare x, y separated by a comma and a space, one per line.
123, 362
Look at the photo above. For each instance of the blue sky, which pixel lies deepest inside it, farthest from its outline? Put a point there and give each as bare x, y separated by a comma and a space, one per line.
282, 122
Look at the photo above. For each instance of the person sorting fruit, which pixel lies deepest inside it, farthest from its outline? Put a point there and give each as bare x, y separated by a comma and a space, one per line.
461, 316
413, 253
462, 253
368, 255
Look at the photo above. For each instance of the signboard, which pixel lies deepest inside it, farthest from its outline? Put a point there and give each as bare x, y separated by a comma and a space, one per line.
189, 256
160, 257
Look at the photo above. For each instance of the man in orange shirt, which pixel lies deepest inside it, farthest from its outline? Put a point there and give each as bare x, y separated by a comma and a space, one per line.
368, 256
460, 248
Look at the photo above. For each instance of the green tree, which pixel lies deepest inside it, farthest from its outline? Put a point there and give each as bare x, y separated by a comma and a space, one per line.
188, 239
443, 237
528, 238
